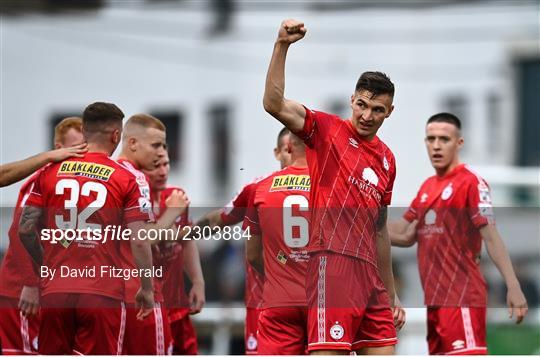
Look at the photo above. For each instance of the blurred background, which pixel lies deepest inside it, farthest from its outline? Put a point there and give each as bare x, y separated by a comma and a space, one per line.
200, 67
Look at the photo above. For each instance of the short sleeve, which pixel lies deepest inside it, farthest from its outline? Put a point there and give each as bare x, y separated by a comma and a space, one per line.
235, 210
412, 212
251, 219
316, 127
35, 198
387, 197
137, 207
480, 208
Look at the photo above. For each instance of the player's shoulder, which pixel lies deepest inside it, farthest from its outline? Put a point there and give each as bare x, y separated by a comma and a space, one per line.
472, 177
320, 115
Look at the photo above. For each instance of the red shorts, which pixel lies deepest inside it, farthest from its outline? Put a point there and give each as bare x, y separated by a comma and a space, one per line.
456, 330
18, 334
81, 323
251, 330
348, 304
152, 336
183, 334
282, 331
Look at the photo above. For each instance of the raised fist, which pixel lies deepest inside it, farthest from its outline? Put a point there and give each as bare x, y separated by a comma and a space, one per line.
177, 199
291, 31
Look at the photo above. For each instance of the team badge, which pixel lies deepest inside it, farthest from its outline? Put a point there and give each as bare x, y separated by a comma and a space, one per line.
251, 342
35, 343
447, 192
369, 175
337, 331
385, 164
458, 344
430, 217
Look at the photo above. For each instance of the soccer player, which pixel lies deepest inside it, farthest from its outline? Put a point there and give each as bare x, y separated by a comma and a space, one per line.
233, 213
174, 257
278, 221
142, 147
82, 311
19, 284
15, 171
449, 218
350, 283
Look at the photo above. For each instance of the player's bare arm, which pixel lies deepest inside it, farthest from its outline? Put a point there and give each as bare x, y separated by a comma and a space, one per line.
402, 232
384, 257
254, 253
28, 232
517, 304
143, 260
16, 171
292, 114
192, 266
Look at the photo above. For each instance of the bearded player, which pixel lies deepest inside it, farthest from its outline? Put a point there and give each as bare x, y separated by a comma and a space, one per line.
449, 218
234, 213
278, 222
19, 284
176, 257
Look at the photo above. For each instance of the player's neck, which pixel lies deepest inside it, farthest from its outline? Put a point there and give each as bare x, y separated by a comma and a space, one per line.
445, 171
96, 148
299, 161
127, 157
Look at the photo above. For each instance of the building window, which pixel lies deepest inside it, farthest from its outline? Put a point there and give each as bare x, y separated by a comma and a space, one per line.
220, 142
494, 127
174, 122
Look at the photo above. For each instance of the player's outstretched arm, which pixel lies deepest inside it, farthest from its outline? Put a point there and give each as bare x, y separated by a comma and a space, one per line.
142, 255
192, 266
254, 252
28, 232
384, 256
16, 171
211, 219
292, 114
517, 304
402, 233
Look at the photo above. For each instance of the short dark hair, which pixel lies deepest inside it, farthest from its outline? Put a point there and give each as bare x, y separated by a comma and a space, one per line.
281, 134
376, 83
99, 114
445, 118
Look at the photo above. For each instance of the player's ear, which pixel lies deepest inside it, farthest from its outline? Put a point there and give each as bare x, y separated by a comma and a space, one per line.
390, 111
116, 136
276, 153
132, 144
352, 100
57, 145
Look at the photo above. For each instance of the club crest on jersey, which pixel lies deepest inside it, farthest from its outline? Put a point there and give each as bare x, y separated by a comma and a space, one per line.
337, 331
144, 205
458, 344
290, 182
430, 217
483, 192
85, 169
353, 142
282, 257
385, 163
251, 342
369, 175
447, 192
424, 197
